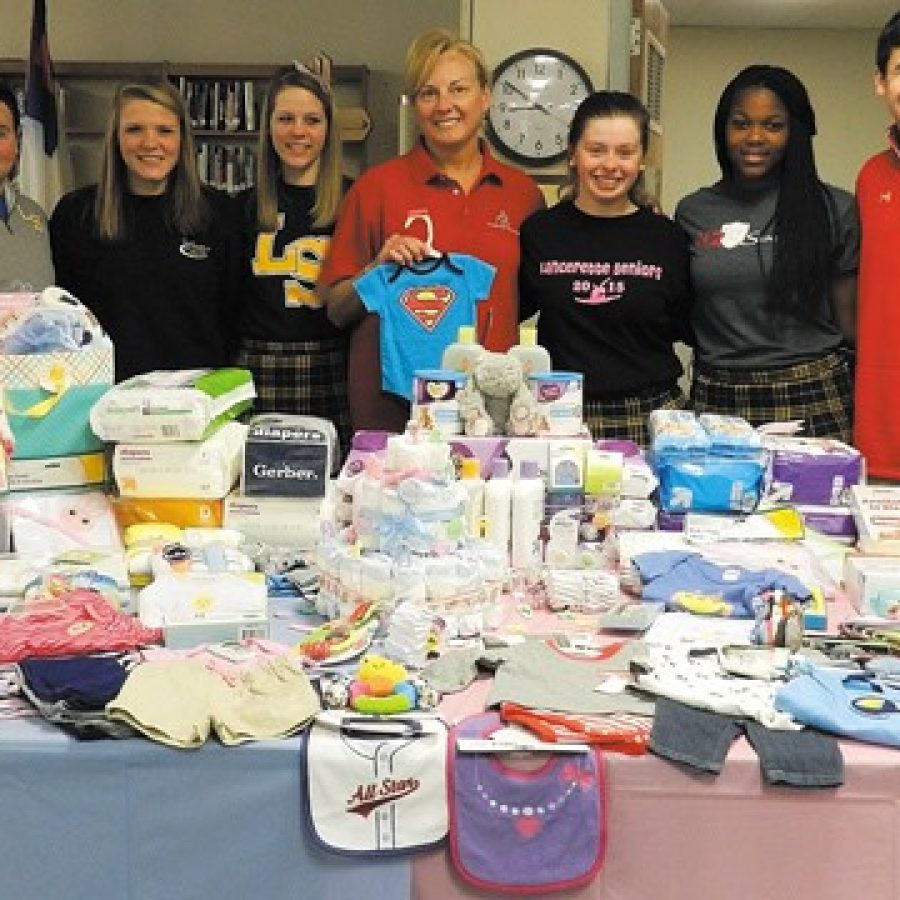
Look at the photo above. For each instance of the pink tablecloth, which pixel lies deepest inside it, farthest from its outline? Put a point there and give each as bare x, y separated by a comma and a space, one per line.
674, 835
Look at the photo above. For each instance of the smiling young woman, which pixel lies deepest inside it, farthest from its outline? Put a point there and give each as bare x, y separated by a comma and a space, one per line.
608, 275
297, 356
773, 264
148, 249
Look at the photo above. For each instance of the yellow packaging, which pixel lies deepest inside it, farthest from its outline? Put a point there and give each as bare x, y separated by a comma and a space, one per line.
182, 512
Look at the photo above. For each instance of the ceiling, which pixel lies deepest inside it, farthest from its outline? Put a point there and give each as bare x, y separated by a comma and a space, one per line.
840, 14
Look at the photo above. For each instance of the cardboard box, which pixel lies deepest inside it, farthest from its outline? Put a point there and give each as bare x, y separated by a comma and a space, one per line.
87, 469
291, 522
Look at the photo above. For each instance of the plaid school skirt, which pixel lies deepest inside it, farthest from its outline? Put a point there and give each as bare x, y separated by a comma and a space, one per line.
820, 393
301, 377
626, 417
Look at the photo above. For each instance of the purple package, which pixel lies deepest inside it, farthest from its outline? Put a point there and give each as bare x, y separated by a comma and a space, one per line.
813, 471
670, 521
834, 521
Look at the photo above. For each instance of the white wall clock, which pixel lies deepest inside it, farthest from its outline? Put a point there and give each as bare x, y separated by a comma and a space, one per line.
535, 95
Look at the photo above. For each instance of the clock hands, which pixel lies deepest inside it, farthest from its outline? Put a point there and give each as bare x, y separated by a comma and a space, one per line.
533, 104
516, 90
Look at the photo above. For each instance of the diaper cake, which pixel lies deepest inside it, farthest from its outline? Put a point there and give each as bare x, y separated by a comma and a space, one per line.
398, 529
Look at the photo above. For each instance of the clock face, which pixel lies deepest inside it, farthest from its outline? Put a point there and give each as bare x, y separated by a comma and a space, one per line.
535, 95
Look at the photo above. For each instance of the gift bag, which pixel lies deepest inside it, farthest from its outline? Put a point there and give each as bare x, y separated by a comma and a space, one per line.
376, 785
48, 398
524, 829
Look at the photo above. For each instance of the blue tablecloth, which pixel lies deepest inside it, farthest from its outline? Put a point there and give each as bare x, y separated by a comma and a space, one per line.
134, 820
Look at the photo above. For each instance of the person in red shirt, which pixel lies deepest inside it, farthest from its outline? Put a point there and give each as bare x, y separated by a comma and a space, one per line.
876, 430
447, 194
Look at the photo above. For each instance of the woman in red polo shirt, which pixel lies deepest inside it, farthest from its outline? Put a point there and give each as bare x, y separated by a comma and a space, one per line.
448, 193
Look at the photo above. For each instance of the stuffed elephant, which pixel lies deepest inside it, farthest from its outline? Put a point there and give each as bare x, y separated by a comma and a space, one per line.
496, 399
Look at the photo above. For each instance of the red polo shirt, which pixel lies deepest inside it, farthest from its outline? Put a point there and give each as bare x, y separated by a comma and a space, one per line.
484, 223
876, 427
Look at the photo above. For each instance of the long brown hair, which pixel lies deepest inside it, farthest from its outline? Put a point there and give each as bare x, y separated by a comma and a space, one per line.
329, 180
187, 210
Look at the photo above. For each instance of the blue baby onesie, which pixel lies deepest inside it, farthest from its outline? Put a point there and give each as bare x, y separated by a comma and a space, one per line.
671, 577
422, 308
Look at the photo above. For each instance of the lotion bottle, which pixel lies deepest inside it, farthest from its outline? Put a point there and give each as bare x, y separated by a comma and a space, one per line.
470, 478
498, 507
533, 357
464, 353
527, 515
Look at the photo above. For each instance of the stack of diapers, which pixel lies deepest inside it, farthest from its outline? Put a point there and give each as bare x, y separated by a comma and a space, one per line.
706, 463
176, 438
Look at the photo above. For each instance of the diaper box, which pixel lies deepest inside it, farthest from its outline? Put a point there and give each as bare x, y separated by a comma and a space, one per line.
179, 405
812, 471
557, 458
205, 469
872, 584
291, 522
86, 469
183, 512
287, 456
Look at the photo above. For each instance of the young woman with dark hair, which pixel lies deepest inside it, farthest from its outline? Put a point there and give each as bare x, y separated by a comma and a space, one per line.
773, 263
608, 275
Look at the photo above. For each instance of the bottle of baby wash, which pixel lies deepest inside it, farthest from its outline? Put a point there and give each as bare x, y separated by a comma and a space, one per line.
527, 515
464, 352
470, 478
533, 357
498, 507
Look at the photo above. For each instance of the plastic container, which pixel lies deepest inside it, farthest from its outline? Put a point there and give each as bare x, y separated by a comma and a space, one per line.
527, 515
435, 405
470, 478
533, 357
498, 507
464, 353
560, 397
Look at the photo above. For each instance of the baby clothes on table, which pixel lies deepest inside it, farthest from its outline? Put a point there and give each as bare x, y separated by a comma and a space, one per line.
77, 622
701, 739
521, 676
273, 700
421, 309
689, 581
694, 676
856, 705
72, 692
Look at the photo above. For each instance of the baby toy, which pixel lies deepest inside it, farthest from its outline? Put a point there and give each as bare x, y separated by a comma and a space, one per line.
380, 687
496, 399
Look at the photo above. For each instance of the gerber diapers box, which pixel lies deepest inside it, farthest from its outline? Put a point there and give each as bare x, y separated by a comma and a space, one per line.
287, 456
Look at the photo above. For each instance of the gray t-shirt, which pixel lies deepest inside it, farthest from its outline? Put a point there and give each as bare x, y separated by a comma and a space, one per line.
731, 257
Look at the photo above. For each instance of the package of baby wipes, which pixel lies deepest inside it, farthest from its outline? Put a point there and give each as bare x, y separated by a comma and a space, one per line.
180, 405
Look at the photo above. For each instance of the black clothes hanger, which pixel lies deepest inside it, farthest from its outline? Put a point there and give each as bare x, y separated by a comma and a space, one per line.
426, 266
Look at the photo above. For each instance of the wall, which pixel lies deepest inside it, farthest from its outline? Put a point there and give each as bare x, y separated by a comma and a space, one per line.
835, 66
234, 31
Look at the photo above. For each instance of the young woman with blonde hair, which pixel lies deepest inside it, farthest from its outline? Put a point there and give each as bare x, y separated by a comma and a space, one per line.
149, 249
297, 356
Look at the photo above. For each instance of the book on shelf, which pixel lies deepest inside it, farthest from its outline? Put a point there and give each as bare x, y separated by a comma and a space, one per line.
876, 510
249, 108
